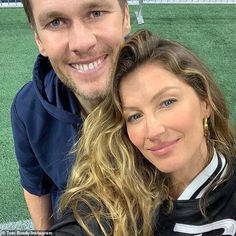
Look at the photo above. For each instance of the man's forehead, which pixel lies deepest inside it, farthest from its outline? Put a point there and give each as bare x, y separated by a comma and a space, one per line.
73, 2
61, 5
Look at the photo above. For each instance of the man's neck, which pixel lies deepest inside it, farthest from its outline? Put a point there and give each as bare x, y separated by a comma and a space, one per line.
86, 106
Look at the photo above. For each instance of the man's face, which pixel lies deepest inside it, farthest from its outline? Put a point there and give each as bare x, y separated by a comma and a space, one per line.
81, 38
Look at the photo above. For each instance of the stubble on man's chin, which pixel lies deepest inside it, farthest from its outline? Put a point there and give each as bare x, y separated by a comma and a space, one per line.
93, 99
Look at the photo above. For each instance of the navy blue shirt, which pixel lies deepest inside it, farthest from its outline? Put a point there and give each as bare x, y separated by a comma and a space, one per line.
45, 123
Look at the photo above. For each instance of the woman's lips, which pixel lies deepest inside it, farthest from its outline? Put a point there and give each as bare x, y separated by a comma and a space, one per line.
163, 148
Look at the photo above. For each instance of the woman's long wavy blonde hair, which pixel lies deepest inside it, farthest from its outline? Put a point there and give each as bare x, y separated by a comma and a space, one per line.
110, 175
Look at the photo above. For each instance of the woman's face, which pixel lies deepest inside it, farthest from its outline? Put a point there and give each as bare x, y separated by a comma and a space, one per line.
164, 118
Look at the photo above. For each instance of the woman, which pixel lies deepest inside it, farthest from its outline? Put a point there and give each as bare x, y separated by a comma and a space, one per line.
157, 157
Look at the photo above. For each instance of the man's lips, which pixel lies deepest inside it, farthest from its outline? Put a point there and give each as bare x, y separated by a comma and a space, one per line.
163, 148
89, 65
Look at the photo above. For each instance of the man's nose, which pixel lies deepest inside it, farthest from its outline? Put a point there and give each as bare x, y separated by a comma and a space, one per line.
81, 38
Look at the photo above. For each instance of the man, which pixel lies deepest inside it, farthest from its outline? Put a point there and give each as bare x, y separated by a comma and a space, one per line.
77, 41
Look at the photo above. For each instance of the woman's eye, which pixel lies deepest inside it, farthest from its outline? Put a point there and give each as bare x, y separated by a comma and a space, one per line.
134, 117
168, 102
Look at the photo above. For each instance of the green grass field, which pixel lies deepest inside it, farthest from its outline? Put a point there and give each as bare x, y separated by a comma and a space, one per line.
209, 30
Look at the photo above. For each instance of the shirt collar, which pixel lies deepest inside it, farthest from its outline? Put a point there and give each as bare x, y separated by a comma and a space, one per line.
201, 182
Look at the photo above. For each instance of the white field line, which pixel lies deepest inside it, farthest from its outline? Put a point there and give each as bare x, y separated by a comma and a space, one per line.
19, 225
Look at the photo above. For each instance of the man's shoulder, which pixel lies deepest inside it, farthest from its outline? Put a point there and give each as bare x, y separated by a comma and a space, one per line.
25, 99
26, 104
25, 94
31, 91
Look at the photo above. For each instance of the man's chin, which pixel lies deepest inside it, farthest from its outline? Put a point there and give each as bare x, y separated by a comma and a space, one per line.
94, 97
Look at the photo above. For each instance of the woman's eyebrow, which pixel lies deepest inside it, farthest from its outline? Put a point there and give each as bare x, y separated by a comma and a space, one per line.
154, 98
162, 91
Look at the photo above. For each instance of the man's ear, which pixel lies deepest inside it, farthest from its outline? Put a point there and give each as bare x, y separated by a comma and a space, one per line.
39, 44
126, 22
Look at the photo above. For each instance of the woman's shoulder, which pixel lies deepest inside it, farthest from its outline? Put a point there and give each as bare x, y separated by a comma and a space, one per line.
66, 223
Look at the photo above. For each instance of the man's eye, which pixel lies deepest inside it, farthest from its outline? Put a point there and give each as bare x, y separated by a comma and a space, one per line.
96, 14
134, 117
168, 102
55, 23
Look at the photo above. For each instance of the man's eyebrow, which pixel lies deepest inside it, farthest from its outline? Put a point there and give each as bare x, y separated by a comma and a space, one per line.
46, 16
49, 15
93, 5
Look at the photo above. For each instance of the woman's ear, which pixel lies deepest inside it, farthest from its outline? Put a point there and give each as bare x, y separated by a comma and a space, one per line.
206, 109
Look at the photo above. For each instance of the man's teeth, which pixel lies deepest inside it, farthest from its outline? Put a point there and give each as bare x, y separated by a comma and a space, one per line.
90, 66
